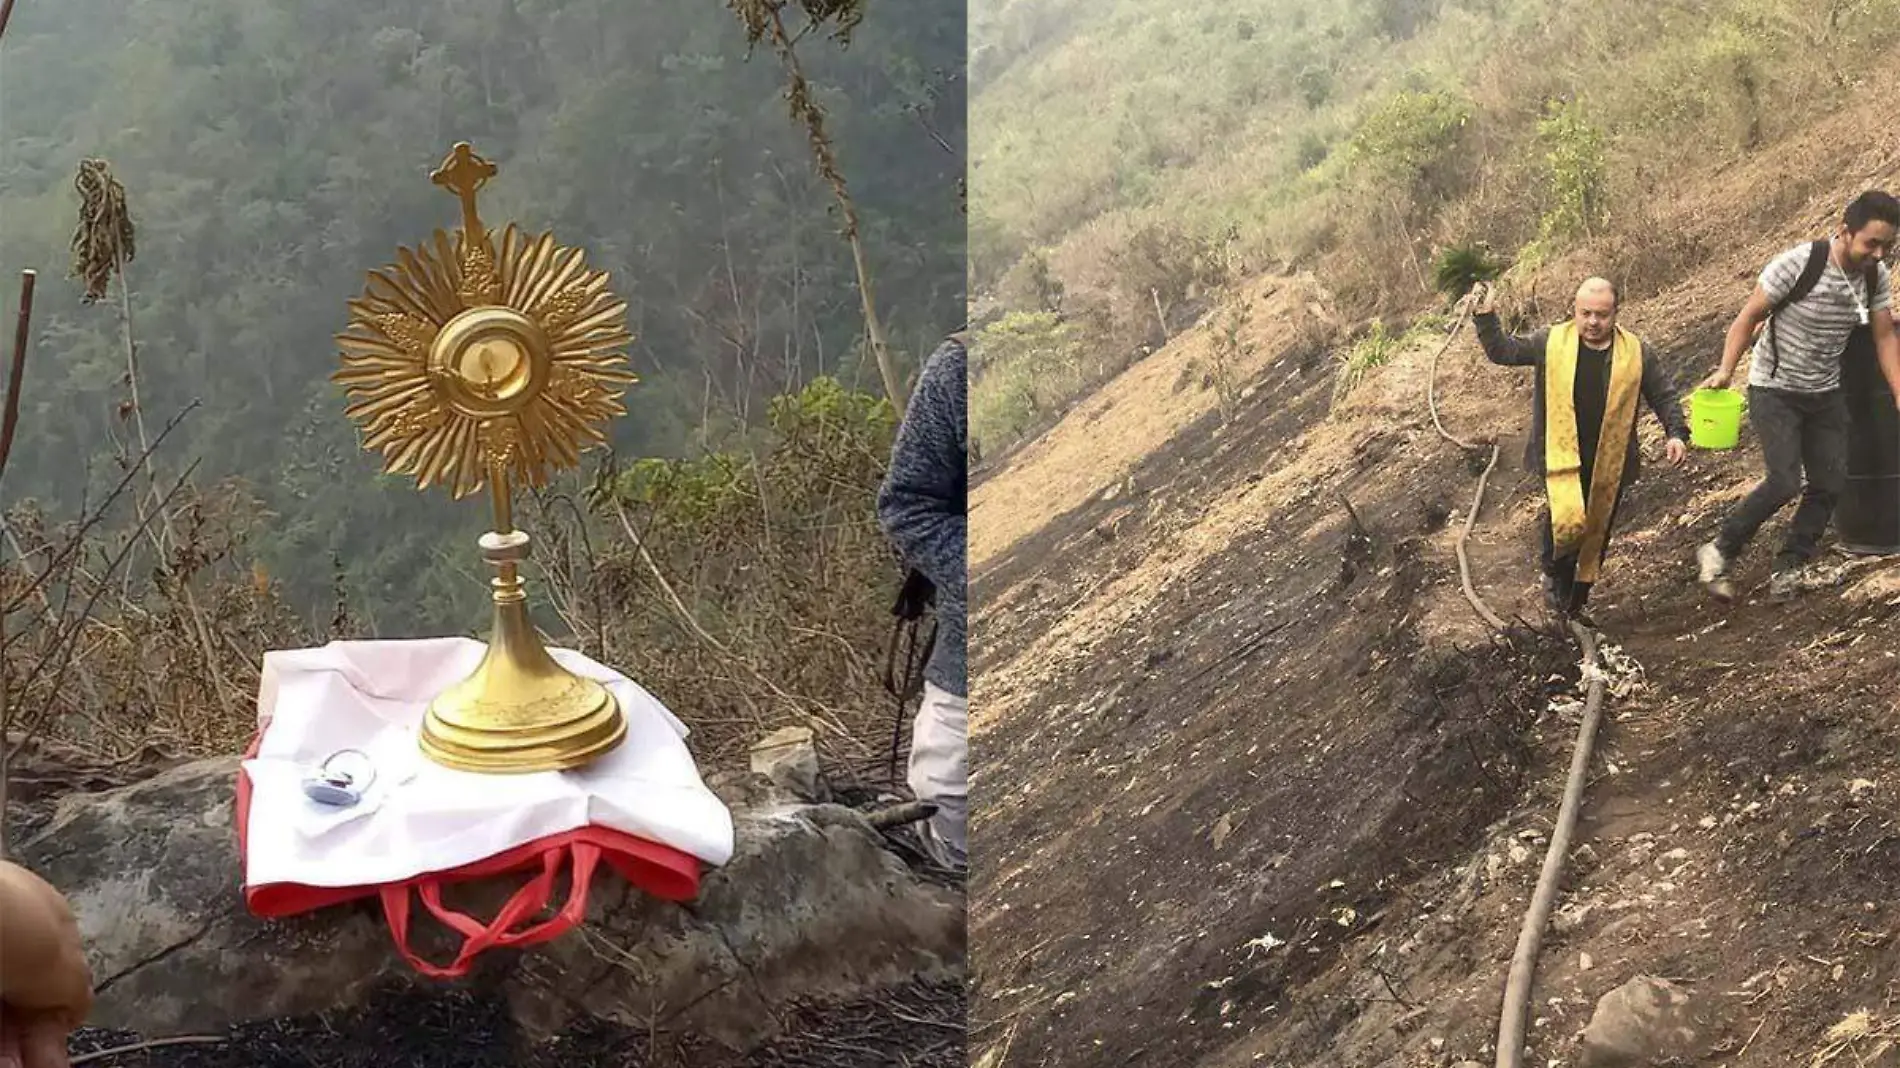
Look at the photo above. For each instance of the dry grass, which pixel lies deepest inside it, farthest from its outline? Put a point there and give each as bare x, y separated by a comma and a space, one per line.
1866, 1038
1104, 437
106, 651
143, 621
756, 600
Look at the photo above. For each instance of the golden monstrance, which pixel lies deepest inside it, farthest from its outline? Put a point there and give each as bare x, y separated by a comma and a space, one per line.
473, 362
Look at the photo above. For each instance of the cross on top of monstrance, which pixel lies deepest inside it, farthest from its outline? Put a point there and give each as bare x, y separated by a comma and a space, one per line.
469, 363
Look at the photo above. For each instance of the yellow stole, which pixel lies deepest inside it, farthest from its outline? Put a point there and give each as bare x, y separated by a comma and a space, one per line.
1577, 526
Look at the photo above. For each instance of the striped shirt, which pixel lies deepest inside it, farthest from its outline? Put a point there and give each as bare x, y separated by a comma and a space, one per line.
1811, 334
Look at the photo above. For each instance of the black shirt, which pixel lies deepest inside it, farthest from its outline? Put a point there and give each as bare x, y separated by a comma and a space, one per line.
1591, 395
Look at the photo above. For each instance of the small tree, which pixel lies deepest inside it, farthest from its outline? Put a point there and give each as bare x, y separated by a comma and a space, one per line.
1017, 363
1405, 138
1400, 147
1230, 351
764, 20
1163, 265
1573, 155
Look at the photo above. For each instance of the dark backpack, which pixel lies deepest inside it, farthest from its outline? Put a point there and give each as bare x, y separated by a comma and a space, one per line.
1803, 285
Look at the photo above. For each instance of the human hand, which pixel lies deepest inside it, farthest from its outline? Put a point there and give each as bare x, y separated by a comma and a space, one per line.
33, 1040
1718, 380
1482, 300
1676, 450
45, 985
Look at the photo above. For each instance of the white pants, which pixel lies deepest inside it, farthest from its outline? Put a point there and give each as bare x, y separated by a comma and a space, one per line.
940, 764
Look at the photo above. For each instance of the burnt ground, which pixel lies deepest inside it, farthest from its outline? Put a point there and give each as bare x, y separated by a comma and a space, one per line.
1291, 810
463, 1028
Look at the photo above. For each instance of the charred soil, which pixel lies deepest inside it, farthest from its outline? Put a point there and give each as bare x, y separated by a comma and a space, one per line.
1255, 786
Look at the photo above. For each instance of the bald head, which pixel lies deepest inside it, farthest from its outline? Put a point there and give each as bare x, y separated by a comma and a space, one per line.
1597, 286
1596, 311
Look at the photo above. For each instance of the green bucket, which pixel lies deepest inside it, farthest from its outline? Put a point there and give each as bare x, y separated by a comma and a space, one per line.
1715, 418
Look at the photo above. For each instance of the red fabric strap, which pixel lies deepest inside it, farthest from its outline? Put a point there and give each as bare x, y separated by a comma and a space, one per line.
477, 936
667, 873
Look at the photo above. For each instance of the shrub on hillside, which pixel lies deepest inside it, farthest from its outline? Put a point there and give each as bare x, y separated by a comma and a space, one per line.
1164, 265
1032, 284
749, 587
1408, 138
1022, 365
1577, 175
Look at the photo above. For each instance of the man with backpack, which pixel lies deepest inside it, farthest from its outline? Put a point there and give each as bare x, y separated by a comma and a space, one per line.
923, 509
1820, 302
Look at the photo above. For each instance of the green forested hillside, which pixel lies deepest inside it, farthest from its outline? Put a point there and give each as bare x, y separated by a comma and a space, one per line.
272, 153
1129, 159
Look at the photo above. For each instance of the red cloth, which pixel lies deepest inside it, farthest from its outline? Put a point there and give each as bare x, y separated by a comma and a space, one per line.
664, 872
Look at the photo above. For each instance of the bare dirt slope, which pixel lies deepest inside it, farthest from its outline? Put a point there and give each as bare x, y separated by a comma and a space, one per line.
1255, 790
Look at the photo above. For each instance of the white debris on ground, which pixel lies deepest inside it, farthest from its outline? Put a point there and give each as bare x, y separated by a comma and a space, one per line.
1622, 677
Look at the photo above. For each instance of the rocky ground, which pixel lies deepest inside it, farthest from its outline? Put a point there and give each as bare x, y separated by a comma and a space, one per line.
817, 946
1258, 788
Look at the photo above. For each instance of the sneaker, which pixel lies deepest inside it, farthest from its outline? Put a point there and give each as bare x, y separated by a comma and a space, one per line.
1712, 569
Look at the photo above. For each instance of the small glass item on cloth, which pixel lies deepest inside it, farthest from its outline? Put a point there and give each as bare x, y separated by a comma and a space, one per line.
340, 786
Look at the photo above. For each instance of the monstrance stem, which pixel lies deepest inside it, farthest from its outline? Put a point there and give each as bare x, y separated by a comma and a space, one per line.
504, 517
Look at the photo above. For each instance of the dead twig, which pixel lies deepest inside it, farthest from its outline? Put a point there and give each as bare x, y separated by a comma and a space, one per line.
1359, 528
1242, 650
901, 814
93, 518
155, 1043
16, 371
22, 337
69, 640
692, 622
1752, 1034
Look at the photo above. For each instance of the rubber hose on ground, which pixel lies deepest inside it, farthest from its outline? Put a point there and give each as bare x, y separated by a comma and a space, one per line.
1530, 938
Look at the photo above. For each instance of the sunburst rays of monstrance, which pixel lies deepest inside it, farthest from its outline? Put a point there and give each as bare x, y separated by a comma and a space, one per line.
475, 362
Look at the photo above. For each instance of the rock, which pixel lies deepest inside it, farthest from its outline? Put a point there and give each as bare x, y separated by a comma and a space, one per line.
1570, 917
789, 758
744, 789
811, 907
1642, 1023
1223, 827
